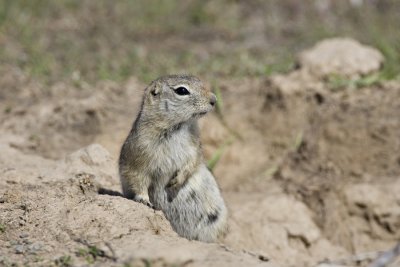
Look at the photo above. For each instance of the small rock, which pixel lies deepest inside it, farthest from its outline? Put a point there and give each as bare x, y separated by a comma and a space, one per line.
92, 155
27, 241
35, 247
19, 249
24, 235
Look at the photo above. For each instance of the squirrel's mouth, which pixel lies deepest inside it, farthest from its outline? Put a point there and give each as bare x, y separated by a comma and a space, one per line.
200, 114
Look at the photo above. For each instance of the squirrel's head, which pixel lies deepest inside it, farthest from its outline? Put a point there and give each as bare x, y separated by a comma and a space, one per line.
178, 98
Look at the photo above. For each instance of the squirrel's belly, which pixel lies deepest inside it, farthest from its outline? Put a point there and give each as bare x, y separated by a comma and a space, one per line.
197, 211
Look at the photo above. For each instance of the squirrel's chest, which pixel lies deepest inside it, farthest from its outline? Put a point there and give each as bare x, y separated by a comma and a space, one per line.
171, 154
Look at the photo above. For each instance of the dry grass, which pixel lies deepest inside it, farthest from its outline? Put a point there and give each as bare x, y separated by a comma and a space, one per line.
92, 40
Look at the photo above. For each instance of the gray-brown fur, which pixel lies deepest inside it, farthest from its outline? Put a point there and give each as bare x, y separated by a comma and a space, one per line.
161, 163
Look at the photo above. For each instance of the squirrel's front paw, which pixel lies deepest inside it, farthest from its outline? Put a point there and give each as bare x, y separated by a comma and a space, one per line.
173, 183
144, 200
173, 187
176, 182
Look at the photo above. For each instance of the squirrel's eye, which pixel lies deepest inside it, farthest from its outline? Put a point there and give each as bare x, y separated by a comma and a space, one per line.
181, 91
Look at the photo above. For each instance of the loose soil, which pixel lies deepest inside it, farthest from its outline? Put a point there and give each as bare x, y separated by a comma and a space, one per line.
309, 174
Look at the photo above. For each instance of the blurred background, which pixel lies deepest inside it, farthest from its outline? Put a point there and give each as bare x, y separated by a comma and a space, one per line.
56, 40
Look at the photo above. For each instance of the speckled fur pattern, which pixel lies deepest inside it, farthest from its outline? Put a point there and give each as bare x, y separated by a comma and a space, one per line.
161, 163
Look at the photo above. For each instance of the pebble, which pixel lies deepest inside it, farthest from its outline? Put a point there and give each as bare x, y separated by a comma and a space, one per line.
26, 241
19, 249
24, 235
33, 248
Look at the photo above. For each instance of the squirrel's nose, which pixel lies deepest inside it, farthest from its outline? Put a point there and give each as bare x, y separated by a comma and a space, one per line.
213, 100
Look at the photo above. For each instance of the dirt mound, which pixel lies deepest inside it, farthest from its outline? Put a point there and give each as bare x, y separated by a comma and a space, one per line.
332, 64
340, 56
78, 225
64, 118
347, 142
308, 173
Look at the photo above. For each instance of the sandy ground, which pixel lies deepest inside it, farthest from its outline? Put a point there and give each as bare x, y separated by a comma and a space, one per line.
310, 173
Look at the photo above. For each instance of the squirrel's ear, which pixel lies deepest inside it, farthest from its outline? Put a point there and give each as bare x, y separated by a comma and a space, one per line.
154, 89
151, 92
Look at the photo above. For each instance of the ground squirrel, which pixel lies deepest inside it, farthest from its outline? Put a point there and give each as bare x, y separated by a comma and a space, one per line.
161, 162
